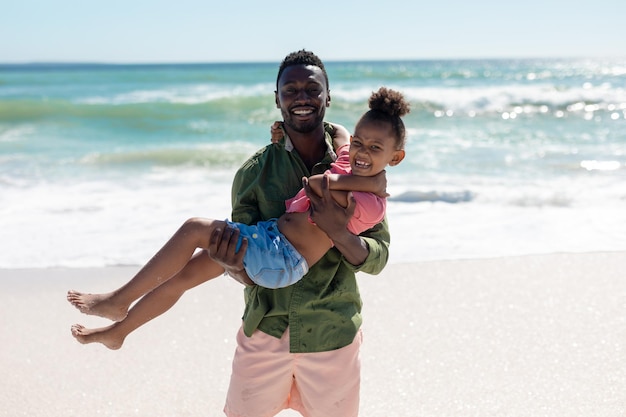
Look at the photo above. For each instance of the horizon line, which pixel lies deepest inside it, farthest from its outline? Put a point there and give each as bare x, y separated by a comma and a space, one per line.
226, 62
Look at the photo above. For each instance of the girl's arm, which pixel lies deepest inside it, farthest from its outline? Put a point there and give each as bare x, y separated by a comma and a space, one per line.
340, 135
276, 131
338, 183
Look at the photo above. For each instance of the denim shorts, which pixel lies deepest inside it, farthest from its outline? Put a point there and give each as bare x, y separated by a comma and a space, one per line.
271, 260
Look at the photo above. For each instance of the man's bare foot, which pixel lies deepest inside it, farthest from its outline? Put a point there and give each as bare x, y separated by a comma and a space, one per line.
97, 305
102, 335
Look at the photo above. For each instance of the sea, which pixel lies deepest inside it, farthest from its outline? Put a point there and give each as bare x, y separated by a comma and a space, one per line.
101, 163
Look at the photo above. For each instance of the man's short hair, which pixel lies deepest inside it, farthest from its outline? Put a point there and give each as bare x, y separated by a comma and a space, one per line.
301, 57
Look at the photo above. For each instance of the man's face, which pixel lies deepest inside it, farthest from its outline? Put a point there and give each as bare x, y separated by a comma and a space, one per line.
302, 97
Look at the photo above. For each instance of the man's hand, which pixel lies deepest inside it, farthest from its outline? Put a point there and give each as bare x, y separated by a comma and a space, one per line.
222, 249
333, 220
325, 212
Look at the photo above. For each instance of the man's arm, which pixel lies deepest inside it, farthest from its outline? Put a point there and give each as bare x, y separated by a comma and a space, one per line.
377, 240
223, 243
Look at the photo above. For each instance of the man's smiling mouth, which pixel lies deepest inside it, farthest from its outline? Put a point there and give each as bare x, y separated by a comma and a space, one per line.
302, 112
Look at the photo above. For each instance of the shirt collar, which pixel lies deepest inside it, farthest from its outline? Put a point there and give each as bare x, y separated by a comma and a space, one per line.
329, 148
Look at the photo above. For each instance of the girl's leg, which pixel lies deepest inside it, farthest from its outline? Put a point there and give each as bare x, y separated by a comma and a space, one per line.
199, 269
168, 261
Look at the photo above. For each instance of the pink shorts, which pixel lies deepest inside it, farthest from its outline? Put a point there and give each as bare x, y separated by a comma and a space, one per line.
267, 378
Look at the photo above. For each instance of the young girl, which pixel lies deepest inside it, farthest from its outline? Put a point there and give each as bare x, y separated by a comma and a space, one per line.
278, 252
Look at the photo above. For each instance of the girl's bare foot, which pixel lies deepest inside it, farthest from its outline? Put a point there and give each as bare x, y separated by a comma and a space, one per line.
102, 335
97, 305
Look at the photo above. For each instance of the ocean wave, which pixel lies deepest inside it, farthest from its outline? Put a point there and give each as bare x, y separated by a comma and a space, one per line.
53, 110
434, 196
189, 95
215, 157
595, 165
508, 101
15, 133
546, 99
556, 199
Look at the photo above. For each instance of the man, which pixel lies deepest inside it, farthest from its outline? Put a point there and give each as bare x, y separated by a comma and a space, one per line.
298, 346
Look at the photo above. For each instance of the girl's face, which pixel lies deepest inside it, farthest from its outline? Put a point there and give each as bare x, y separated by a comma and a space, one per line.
372, 148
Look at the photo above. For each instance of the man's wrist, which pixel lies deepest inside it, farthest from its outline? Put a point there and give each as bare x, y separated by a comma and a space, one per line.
239, 275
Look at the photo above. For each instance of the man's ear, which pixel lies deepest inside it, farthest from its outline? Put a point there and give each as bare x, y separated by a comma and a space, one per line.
398, 156
276, 99
328, 99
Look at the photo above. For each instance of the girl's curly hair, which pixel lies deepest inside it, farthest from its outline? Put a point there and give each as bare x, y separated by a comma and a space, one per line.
387, 105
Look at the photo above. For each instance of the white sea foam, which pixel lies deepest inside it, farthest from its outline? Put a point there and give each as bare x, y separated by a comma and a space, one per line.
520, 98
15, 133
99, 223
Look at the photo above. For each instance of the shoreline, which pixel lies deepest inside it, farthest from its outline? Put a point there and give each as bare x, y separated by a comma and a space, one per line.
4, 270
511, 336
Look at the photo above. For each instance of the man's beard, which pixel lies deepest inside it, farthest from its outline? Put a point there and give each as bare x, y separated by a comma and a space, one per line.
303, 127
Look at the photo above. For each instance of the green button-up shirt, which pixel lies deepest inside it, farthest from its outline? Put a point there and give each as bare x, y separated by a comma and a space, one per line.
323, 310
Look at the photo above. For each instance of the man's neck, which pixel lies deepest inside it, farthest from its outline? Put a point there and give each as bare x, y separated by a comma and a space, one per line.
310, 146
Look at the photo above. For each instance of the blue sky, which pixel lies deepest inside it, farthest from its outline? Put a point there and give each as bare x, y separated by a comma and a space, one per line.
254, 30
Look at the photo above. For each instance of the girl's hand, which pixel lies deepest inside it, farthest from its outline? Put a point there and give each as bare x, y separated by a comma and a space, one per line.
277, 132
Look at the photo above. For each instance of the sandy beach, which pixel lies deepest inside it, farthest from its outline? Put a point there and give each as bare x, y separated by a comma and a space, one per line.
541, 335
